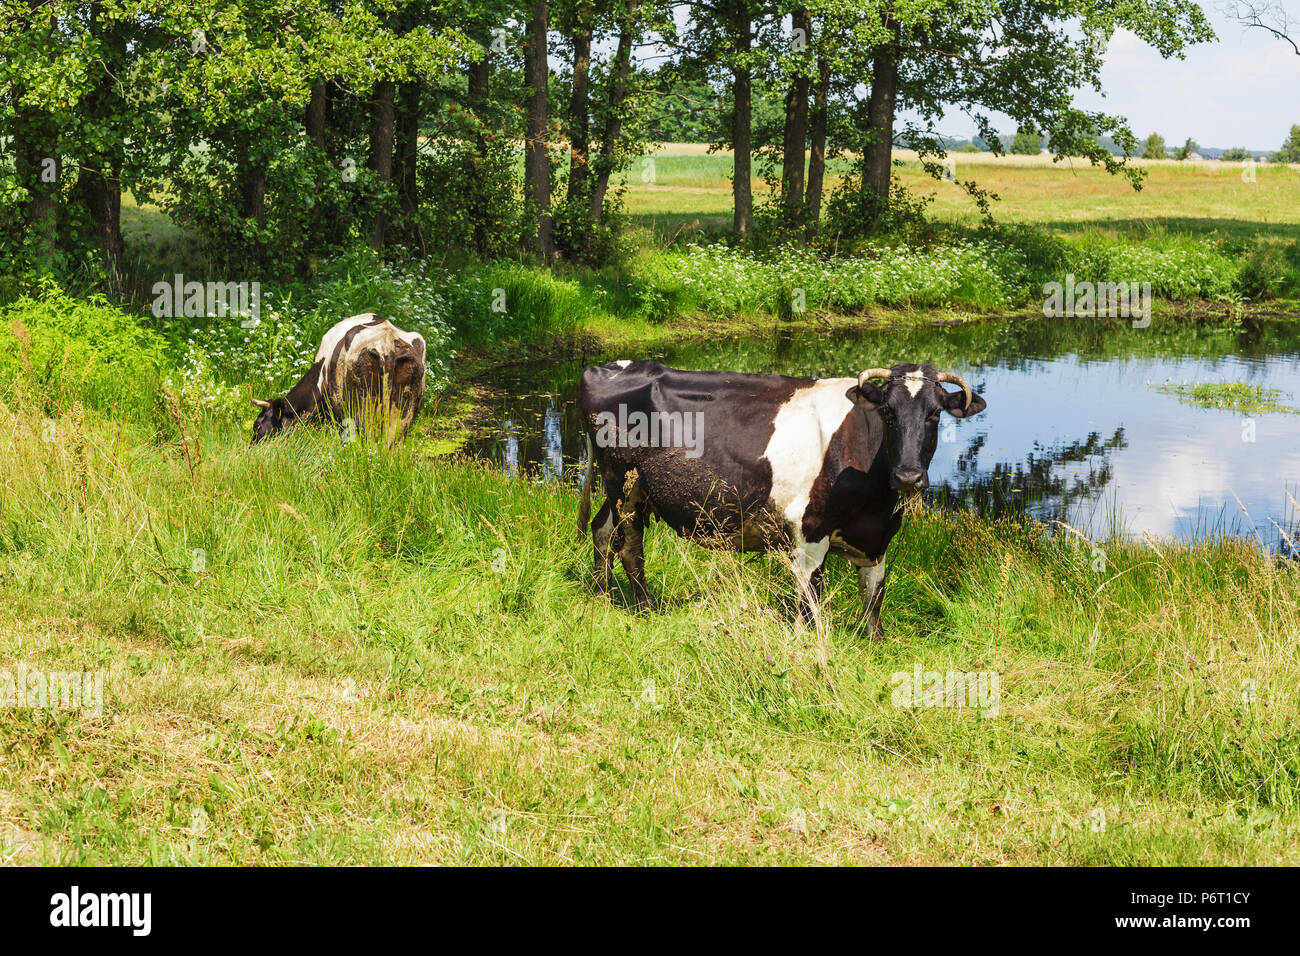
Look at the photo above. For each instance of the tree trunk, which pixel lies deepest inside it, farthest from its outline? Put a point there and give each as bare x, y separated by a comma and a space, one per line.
99, 186
742, 198
39, 168
478, 84
537, 165
579, 121
408, 149
251, 170
100, 190
382, 123
796, 135
817, 152
877, 154
614, 113
314, 121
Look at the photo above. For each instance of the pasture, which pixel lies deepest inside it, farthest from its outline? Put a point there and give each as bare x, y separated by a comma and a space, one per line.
324, 654
687, 185
316, 652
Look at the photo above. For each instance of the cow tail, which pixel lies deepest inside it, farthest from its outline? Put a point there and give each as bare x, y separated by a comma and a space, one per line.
584, 510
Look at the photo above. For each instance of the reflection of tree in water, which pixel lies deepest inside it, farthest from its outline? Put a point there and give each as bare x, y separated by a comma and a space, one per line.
1036, 486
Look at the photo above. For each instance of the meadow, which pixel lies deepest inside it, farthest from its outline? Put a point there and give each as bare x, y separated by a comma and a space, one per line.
317, 652
690, 188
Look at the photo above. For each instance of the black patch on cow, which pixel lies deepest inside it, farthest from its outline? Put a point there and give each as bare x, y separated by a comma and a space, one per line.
711, 498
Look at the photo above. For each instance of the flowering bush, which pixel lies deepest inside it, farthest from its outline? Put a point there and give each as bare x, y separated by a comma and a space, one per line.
978, 273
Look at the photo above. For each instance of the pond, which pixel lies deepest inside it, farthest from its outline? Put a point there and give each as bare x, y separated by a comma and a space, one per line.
1077, 427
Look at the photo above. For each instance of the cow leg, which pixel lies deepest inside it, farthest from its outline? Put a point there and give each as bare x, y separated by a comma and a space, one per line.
806, 562
871, 585
632, 554
602, 540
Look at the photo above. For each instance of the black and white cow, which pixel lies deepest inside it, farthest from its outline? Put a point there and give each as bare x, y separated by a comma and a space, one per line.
364, 357
747, 462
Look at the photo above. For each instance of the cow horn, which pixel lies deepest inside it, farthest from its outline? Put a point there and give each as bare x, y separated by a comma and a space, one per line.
873, 373
260, 403
955, 379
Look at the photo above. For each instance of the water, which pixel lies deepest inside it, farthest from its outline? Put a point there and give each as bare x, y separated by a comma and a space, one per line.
1075, 429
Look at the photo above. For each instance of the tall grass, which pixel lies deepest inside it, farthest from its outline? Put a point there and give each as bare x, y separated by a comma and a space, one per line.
318, 651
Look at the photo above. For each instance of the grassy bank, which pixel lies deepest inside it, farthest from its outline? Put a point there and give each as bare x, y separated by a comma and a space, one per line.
321, 653
325, 653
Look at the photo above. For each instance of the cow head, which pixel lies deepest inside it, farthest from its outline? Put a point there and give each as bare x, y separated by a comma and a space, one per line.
909, 404
276, 416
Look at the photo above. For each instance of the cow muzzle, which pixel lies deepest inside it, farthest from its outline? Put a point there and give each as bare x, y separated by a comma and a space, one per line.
909, 481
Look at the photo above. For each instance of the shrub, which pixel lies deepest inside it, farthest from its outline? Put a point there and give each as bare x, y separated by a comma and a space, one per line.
1268, 269
67, 349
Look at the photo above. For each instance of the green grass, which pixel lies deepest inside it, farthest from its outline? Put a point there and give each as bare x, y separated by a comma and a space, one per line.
325, 653
317, 653
1209, 200
1235, 396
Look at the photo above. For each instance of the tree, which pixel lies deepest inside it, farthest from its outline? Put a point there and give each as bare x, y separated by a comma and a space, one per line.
1290, 151
1019, 58
1154, 147
1027, 141
1267, 15
1187, 149
1234, 154
537, 159
795, 139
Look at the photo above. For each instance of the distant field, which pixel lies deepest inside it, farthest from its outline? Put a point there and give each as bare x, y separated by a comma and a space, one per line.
684, 186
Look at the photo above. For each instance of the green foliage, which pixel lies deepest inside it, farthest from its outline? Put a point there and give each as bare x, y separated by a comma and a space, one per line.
1154, 147
1187, 149
719, 279
1241, 397
1290, 151
1177, 266
1028, 141
1234, 154
1270, 269
474, 201
65, 349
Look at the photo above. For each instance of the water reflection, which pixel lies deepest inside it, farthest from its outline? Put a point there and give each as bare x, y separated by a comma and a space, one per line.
512, 448
553, 460
1076, 429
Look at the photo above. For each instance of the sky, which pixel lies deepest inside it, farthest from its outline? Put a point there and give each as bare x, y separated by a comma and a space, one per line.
1241, 90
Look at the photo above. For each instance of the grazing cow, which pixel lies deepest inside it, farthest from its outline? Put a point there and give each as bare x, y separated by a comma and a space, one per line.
362, 358
762, 462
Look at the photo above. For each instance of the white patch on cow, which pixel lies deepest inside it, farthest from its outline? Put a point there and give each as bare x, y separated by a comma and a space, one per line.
807, 558
603, 534
870, 578
914, 382
623, 363
382, 337
801, 432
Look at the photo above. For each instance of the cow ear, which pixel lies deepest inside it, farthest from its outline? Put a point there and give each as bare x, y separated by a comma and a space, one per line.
954, 403
867, 397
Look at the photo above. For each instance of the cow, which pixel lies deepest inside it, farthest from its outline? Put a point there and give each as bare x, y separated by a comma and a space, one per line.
744, 462
363, 358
